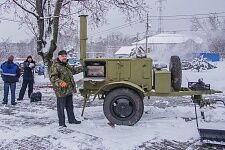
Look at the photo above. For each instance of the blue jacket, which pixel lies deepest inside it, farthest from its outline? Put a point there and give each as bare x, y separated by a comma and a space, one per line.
28, 72
10, 72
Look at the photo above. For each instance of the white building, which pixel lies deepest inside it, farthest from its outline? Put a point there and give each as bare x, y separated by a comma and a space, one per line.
127, 51
161, 46
164, 45
124, 51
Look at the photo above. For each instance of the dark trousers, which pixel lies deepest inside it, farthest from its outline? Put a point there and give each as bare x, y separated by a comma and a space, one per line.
65, 102
30, 84
12, 87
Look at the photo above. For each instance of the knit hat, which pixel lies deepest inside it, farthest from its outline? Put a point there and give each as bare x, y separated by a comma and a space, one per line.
29, 57
62, 52
10, 58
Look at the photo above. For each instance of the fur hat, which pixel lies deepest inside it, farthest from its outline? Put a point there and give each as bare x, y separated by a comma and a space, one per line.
29, 57
62, 52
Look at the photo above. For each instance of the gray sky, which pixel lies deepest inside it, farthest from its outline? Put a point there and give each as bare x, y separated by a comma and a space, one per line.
170, 7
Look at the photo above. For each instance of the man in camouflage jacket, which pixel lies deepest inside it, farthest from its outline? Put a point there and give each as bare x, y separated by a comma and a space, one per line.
61, 77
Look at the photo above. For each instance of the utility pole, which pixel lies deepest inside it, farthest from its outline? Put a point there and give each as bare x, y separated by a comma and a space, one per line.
146, 34
137, 40
160, 8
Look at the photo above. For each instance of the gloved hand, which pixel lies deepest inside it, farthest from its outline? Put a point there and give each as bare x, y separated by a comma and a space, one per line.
63, 84
31, 65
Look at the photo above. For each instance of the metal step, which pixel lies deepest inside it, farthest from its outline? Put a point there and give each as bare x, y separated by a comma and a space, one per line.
212, 134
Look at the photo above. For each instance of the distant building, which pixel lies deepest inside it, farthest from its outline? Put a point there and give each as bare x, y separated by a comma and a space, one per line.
165, 39
124, 51
164, 44
127, 51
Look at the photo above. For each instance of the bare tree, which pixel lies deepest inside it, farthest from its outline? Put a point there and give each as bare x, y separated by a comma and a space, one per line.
46, 18
213, 29
4, 48
212, 23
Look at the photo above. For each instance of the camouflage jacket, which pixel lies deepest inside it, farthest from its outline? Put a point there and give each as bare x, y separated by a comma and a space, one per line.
63, 72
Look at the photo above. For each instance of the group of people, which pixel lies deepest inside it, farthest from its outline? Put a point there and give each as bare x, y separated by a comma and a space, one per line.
11, 74
60, 75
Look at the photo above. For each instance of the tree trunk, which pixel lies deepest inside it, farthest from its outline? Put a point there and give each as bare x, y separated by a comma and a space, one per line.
47, 57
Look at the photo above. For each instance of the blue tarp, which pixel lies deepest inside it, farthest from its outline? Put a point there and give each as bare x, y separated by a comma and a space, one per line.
211, 56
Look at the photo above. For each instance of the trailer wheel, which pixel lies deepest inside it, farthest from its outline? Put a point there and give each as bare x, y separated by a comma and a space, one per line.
123, 106
176, 72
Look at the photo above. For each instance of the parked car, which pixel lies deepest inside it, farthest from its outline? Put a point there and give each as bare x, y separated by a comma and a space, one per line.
74, 62
41, 69
21, 66
19, 62
36, 68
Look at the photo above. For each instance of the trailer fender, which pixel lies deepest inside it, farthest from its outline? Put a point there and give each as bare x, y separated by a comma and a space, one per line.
121, 84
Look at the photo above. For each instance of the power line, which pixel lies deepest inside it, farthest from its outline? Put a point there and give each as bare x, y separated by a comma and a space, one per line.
171, 17
116, 28
137, 22
188, 18
162, 17
154, 17
193, 15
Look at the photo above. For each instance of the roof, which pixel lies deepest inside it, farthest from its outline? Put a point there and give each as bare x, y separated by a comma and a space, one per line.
125, 50
166, 38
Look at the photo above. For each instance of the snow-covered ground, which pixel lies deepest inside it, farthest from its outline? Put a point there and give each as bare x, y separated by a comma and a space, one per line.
167, 123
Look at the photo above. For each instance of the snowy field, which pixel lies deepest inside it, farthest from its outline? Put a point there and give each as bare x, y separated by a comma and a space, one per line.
167, 123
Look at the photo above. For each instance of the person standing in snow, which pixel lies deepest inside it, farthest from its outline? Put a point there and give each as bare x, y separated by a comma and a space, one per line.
28, 77
10, 75
61, 77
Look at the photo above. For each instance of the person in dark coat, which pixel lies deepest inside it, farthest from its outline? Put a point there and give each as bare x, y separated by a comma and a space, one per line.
28, 77
61, 77
10, 75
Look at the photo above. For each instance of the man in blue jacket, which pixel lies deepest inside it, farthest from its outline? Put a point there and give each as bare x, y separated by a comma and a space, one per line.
28, 77
10, 75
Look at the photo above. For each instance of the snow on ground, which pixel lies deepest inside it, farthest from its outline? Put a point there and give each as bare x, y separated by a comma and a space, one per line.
215, 77
167, 123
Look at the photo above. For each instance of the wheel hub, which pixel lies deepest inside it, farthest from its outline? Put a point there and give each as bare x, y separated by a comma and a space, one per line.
122, 107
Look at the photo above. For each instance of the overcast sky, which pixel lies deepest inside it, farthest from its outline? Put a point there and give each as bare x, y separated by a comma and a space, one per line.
170, 7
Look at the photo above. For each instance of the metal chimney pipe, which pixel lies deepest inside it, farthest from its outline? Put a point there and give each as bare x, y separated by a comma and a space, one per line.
83, 37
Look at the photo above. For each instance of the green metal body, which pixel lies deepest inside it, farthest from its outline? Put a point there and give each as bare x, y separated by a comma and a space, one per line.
137, 74
162, 81
83, 37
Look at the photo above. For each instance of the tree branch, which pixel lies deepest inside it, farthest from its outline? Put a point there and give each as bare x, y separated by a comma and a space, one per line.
25, 9
31, 3
3, 3
53, 45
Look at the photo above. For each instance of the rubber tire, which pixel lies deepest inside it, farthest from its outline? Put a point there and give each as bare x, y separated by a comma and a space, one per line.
133, 96
175, 68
